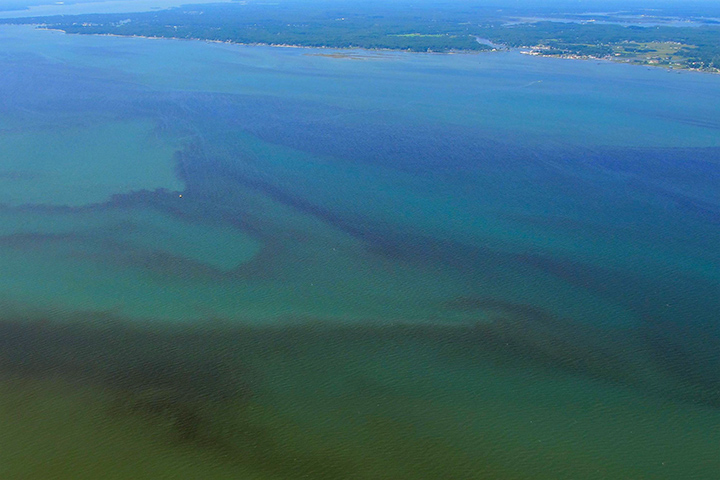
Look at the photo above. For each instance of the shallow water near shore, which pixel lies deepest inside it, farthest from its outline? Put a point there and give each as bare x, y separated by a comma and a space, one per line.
226, 261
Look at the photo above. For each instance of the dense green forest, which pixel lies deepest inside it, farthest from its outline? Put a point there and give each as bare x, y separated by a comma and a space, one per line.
319, 25
414, 27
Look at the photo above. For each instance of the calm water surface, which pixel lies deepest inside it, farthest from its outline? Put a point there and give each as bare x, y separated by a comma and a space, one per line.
225, 261
37, 8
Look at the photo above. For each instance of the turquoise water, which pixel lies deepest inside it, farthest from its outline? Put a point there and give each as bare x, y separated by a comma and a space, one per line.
382, 265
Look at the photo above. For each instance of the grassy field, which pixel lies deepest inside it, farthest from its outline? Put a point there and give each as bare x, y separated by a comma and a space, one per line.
663, 54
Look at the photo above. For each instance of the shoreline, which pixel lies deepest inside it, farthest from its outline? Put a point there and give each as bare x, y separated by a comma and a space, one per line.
40, 26
533, 53
524, 50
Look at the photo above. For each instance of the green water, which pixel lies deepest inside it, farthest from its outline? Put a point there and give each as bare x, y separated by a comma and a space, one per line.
222, 261
81, 165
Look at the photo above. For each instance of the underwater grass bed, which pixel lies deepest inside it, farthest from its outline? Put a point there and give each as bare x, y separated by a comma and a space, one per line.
503, 399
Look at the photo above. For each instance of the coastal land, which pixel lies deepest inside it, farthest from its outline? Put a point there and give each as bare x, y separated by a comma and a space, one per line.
662, 38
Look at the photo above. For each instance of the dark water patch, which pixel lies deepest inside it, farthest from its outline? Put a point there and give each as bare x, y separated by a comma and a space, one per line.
517, 309
192, 384
201, 383
27, 241
195, 383
152, 260
641, 292
706, 211
689, 353
598, 279
663, 358
524, 332
126, 358
216, 362
554, 222
105, 251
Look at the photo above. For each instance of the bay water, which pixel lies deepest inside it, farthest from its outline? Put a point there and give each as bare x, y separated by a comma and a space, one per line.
227, 261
